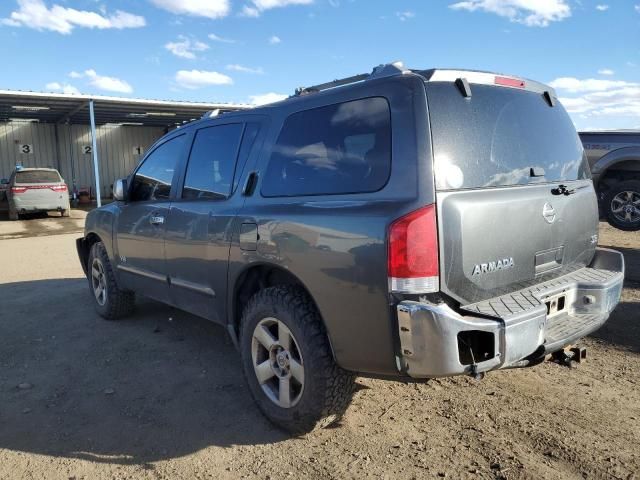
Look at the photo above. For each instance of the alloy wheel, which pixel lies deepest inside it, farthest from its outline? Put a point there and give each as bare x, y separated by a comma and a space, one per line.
625, 206
277, 362
99, 281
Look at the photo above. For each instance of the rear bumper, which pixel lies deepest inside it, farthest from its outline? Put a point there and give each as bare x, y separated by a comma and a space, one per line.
509, 331
41, 204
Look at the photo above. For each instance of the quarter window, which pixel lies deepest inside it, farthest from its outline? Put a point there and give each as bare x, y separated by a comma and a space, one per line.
152, 181
212, 162
337, 149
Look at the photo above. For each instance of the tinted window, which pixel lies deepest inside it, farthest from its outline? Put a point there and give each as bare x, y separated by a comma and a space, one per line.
152, 181
248, 140
495, 137
37, 176
212, 162
343, 148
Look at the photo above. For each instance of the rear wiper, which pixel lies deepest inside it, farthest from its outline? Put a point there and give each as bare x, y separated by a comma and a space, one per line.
563, 190
536, 172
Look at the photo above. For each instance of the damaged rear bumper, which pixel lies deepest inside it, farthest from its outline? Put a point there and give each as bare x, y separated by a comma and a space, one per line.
512, 330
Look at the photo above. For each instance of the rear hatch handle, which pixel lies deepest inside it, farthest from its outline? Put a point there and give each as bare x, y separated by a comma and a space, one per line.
563, 190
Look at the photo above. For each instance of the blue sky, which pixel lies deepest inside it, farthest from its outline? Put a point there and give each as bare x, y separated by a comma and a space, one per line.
257, 50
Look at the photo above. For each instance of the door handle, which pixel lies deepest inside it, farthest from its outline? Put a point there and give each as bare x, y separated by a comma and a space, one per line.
250, 184
156, 220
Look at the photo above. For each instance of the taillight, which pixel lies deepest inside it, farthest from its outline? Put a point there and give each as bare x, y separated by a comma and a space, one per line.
413, 252
59, 188
18, 190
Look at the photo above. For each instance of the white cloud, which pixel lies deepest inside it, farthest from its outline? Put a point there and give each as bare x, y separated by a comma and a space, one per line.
248, 11
216, 38
259, 6
591, 98
37, 15
241, 68
606, 71
102, 82
637, 8
403, 16
197, 8
602, 8
266, 98
274, 40
193, 79
62, 87
532, 13
574, 85
185, 47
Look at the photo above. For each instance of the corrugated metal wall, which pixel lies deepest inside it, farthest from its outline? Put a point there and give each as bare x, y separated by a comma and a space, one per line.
117, 150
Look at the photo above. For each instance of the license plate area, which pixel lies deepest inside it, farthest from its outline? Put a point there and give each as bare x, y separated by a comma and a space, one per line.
556, 305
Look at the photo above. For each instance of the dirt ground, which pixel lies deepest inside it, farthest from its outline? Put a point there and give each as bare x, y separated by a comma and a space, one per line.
161, 395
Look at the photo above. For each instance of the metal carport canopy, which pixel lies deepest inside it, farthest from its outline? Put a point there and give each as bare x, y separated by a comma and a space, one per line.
74, 109
61, 108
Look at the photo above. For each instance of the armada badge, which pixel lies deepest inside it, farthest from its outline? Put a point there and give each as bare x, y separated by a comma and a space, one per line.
489, 267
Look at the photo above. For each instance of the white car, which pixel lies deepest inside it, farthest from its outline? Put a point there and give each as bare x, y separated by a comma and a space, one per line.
37, 190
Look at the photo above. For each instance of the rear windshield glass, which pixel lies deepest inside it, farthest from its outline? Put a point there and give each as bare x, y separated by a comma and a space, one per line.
37, 176
499, 137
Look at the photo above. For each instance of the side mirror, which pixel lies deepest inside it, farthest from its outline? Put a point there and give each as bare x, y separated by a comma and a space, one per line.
120, 190
4, 181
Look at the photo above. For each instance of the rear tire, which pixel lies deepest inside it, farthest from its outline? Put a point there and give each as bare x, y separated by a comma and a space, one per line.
13, 215
319, 391
622, 205
111, 302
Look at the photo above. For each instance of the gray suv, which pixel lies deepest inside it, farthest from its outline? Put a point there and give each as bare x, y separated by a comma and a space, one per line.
405, 224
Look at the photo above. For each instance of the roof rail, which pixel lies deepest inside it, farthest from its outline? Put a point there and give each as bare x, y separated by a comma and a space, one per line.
384, 70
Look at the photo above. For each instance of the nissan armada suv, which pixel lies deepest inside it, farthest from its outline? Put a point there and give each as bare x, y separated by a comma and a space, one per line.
406, 224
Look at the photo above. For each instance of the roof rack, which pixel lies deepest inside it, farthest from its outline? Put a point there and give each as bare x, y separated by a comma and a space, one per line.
212, 113
384, 70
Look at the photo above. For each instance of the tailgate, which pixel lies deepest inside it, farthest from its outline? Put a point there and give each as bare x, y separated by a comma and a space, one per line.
516, 204
500, 240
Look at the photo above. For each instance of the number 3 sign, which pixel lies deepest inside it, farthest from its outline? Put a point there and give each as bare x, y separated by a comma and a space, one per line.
25, 148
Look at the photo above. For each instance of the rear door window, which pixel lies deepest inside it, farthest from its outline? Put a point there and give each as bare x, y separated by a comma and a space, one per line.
336, 149
212, 162
501, 137
37, 176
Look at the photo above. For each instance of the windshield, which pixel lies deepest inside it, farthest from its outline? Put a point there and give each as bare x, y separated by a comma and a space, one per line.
37, 176
500, 137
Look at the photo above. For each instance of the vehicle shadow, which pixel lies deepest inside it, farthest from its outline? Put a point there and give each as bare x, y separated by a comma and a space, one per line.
161, 384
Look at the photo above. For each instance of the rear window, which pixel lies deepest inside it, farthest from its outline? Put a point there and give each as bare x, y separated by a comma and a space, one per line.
37, 176
337, 149
501, 137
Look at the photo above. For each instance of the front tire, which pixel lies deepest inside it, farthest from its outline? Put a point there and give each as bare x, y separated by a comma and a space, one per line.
622, 205
288, 364
111, 302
